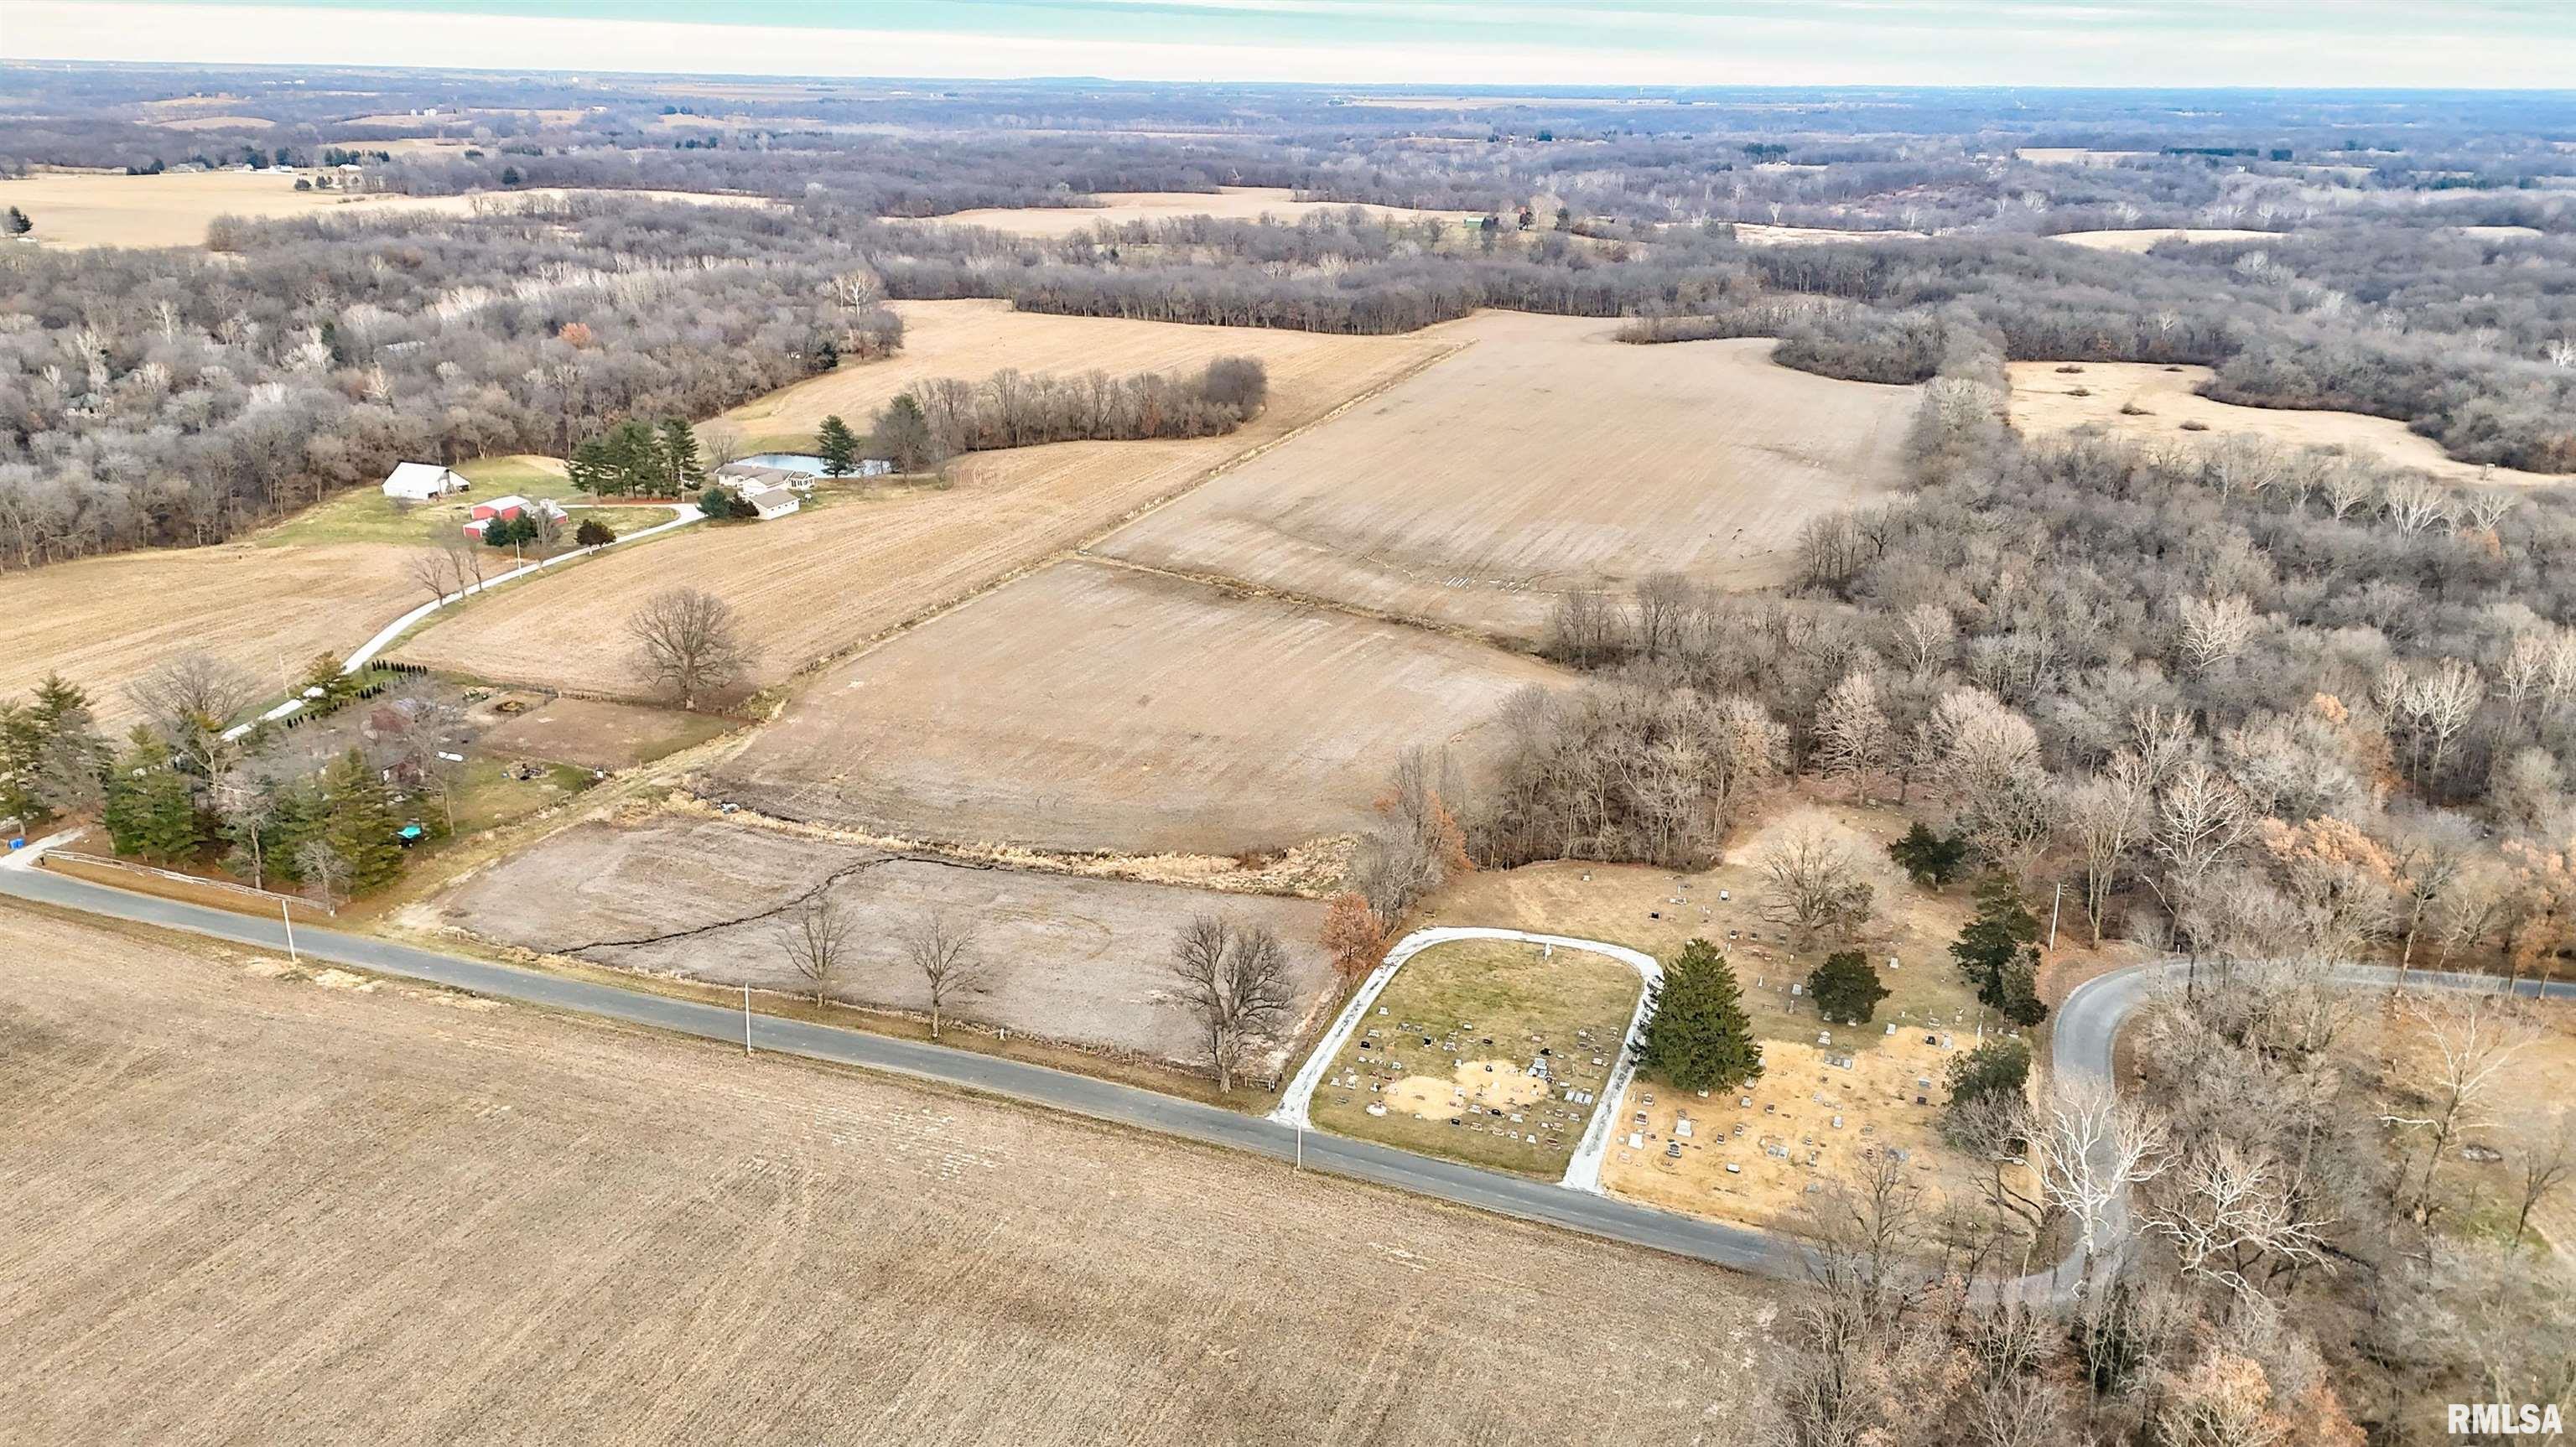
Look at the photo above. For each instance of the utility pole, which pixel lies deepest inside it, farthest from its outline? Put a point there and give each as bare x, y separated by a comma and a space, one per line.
289, 920
746, 1017
1301, 1145
2053, 910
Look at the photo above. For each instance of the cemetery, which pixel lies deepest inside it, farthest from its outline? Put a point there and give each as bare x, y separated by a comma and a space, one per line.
1492, 1052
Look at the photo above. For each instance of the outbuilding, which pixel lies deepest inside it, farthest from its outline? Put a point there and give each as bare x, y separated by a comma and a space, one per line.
422, 482
771, 500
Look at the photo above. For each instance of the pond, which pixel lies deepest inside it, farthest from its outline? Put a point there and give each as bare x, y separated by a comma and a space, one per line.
805, 463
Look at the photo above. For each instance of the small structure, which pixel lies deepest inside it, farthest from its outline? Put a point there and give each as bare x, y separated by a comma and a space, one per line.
422, 482
772, 500
502, 509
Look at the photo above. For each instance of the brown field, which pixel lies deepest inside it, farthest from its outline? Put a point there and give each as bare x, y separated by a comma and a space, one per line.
829, 578
2140, 240
102, 621
217, 123
2042, 405
1077, 961
1546, 457
1227, 203
1753, 233
592, 734
247, 1204
173, 209
2079, 156
1092, 706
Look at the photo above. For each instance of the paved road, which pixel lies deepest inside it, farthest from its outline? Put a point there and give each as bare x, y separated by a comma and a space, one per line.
2087, 1025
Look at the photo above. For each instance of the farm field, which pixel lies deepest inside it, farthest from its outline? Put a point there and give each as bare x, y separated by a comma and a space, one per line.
2043, 403
592, 734
1544, 458
971, 340
1754, 233
1226, 203
1078, 961
799, 1254
1447, 1063
1656, 910
174, 208
1097, 707
827, 579
2142, 238
103, 621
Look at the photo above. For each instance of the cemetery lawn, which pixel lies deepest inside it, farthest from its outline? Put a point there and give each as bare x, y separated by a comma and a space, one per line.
1462, 995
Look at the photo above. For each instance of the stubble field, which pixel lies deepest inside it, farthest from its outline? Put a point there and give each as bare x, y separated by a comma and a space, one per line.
259, 1208
828, 578
2043, 403
1543, 458
2144, 238
1092, 706
174, 208
1079, 961
104, 621
1226, 203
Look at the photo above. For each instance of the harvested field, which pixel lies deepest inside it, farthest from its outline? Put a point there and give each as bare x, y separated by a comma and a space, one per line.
1078, 961
1449, 1063
1226, 203
2144, 238
972, 340
102, 621
591, 734
2043, 403
454, 1222
829, 578
1092, 706
1753, 233
174, 208
1544, 458
2079, 156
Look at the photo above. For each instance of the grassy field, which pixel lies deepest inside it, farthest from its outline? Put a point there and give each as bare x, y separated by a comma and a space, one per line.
1091, 706
251, 1203
2044, 403
1543, 458
827, 579
1081, 961
366, 515
268, 610
174, 209
1446, 1056
1231, 203
2143, 238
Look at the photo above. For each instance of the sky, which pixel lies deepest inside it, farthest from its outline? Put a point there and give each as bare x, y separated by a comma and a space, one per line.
2521, 44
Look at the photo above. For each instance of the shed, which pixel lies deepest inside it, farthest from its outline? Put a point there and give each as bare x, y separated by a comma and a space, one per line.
771, 500
422, 481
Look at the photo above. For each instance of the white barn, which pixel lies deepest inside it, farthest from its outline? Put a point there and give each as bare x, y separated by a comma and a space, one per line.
422, 481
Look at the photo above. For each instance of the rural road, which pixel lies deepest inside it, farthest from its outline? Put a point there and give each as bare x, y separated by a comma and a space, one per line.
2087, 1025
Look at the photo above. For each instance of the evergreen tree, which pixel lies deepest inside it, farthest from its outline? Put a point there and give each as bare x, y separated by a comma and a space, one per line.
716, 503
681, 467
150, 810
823, 355
838, 446
510, 175
19, 225
903, 433
593, 534
588, 467
362, 823
1998, 953
1846, 990
1929, 859
1996, 1067
1697, 1035
633, 458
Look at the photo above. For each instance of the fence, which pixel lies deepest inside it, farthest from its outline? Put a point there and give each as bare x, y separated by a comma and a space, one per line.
97, 861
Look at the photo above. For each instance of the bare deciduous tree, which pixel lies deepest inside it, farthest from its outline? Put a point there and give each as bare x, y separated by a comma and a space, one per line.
2472, 1038
1233, 979
943, 949
2107, 815
189, 699
1853, 735
2212, 631
325, 873
2230, 1212
2201, 817
687, 644
816, 940
1815, 889
2546, 1165
2094, 1146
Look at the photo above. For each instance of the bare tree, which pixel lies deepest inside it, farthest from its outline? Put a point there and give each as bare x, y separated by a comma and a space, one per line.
1815, 889
1926, 637
2231, 1211
687, 644
2107, 815
189, 700
2473, 1037
2200, 819
2093, 1147
1853, 735
816, 940
325, 873
1233, 979
2213, 631
2546, 1165
943, 950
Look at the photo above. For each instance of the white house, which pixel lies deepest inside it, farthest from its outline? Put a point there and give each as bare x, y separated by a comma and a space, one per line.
771, 500
422, 481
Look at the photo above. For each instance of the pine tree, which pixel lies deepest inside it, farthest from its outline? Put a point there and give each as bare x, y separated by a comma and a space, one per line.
681, 467
1927, 858
903, 433
593, 534
19, 225
1998, 953
1846, 990
1698, 1036
362, 823
588, 467
150, 810
838, 446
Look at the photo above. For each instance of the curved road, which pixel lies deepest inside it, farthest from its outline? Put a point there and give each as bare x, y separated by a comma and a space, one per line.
2087, 1024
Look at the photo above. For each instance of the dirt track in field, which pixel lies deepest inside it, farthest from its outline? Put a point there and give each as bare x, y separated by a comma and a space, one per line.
104, 621
1545, 457
830, 577
1080, 961
263, 1209
1092, 706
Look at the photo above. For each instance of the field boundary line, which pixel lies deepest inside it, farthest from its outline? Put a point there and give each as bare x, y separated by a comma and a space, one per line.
1583, 1171
1228, 583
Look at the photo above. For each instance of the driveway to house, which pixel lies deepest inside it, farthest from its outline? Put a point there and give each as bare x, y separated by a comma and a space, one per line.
2087, 1026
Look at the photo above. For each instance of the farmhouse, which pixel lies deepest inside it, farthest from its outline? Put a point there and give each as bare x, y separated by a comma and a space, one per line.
422, 481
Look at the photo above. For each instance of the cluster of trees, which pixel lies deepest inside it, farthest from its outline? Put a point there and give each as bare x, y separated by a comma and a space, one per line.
175, 397
636, 458
945, 416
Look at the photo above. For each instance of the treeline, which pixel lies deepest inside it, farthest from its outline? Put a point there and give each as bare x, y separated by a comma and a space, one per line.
946, 416
174, 397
